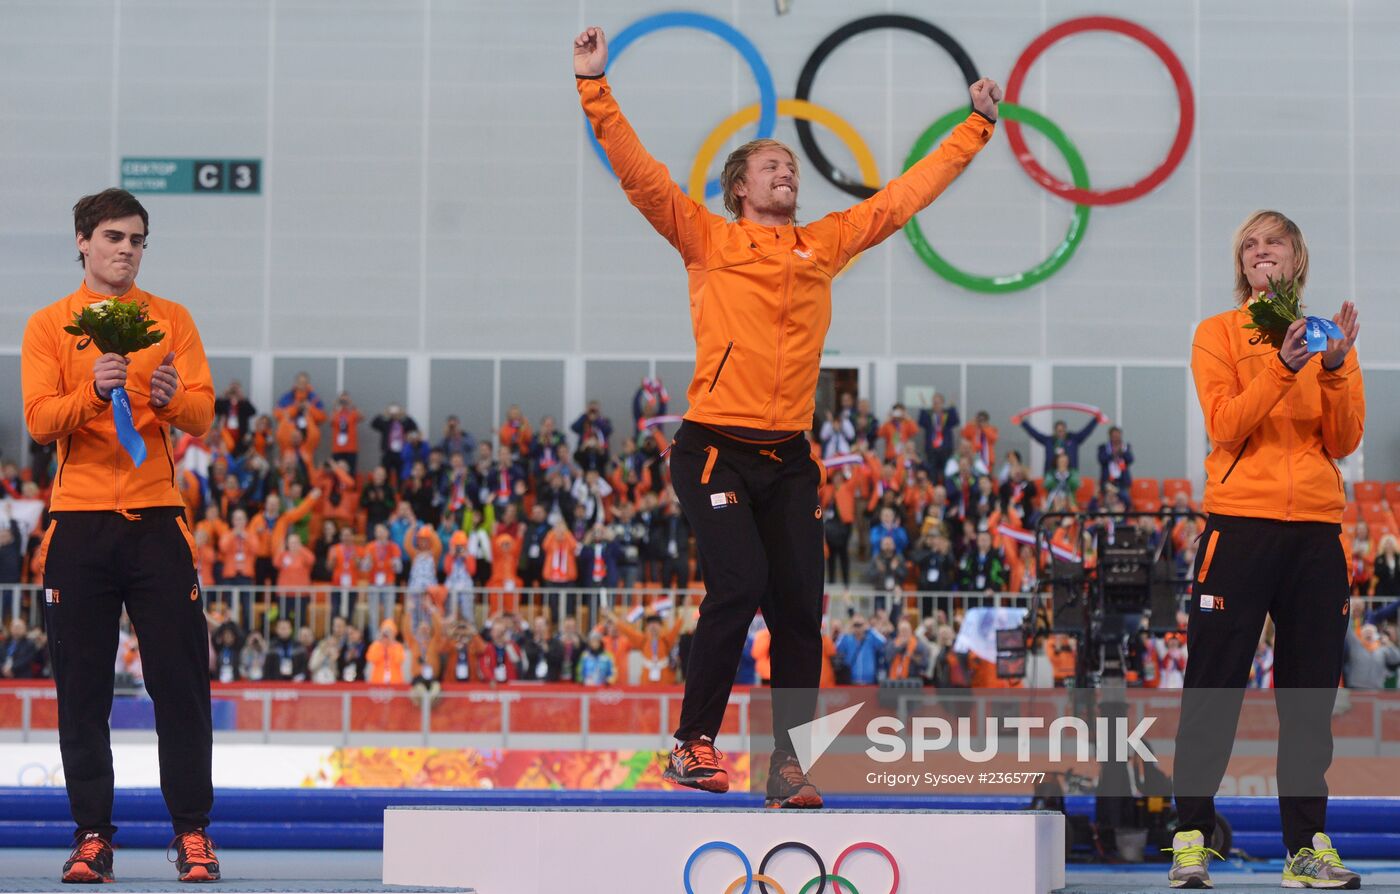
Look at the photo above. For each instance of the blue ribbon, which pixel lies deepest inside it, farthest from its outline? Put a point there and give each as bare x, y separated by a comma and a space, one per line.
1319, 330
127, 435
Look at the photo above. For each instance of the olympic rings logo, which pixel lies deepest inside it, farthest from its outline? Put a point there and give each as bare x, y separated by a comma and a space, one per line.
805, 113
817, 885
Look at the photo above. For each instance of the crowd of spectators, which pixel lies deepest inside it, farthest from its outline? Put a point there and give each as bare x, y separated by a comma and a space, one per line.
412, 569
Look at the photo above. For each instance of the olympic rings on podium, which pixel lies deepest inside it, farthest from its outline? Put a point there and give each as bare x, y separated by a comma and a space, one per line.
744, 883
1061, 253
793, 845
869, 846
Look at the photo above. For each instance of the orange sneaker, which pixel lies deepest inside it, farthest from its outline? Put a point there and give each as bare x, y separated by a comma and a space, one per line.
90, 862
194, 857
695, 764
788, 787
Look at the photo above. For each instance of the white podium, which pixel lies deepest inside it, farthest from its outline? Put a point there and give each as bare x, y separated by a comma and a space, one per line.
705, 851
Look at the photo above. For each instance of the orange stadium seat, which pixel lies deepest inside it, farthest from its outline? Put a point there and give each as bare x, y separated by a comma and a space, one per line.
1086, 491
1146, 489
1392, 494
1351, 513
1173, 486
1368, 491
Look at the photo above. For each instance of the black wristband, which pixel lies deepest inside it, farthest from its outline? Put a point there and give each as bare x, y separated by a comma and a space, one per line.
984, 117
588, 77
1286, 366
99, 393
1334, 368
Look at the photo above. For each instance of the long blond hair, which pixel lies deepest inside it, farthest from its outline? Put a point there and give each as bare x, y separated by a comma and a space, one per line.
736, 168
1243, 290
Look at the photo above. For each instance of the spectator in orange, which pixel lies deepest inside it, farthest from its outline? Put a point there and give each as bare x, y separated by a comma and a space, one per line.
294, 563
897, 429
213, 525
505, 577
343, 563
262, 439
384, 659
906, 656
381, 561
515, 432
237, 555
983, 436
616, 643
341, 498
300, 411
272, 524
561, 565
345, 433
656, 644
205, 558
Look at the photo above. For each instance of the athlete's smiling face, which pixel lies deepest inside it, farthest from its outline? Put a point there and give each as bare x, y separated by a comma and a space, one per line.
770, 184
1266, 252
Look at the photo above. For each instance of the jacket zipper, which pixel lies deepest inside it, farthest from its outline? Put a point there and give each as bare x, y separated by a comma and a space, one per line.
1238, 457
782, 330
719, 369
1288, 459
67, 451
165, 442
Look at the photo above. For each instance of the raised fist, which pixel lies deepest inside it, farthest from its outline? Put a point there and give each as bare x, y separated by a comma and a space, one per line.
591, 53
985, 96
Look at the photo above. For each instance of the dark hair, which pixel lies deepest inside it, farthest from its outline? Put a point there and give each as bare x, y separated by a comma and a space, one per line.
109, 204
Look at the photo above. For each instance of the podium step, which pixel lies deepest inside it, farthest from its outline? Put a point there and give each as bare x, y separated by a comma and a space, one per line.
715, 851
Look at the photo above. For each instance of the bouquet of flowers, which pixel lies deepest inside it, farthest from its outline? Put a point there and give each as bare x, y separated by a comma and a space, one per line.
1273, 310
118, 327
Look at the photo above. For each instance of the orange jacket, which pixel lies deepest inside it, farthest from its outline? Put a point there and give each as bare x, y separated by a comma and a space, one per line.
384, 663
760, 297
1276, 434
560, 558
236, 553
269, 542
345, 431
656, 655
896, 432
294, 567
61, 404
344, 562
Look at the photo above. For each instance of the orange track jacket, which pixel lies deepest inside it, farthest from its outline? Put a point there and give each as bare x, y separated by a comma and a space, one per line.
1276, 434
61, 404
760, 297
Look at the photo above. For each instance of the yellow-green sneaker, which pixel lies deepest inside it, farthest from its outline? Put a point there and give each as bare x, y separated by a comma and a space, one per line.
1318, 867
1190, 858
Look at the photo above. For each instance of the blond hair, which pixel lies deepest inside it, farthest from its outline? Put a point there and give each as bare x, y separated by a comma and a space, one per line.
736, 168
1243, 290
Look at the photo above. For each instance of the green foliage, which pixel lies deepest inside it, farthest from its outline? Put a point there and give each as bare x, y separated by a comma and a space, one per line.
1273, 311
116, 327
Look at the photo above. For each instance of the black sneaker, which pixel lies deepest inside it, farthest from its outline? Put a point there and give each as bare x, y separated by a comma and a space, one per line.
788, 787
695, 764
194, 857
91, 861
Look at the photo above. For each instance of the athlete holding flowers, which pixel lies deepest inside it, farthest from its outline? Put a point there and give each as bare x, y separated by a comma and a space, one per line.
1279, 414
118, 537
760, 305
